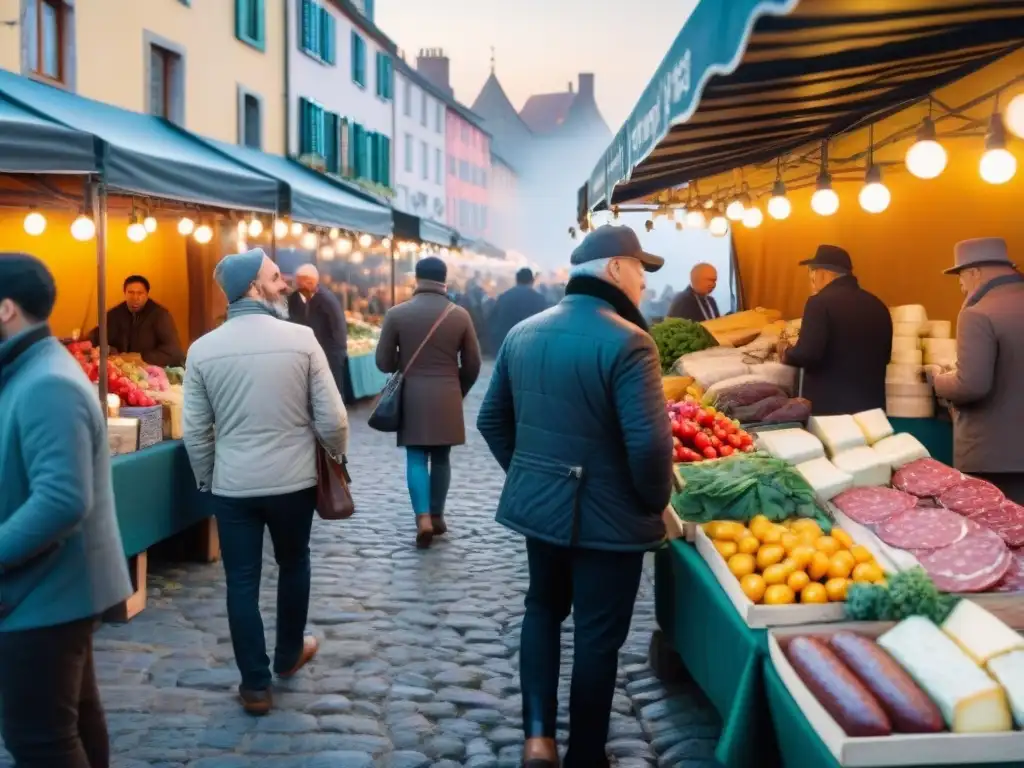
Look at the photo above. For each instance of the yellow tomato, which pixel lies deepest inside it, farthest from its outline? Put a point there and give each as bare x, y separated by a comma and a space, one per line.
826, 544
759, 523
741, 565
844, 539
802, 554
778, 594
789, 541
867, 572
790, 565
748, 545
728, 530
819, 566
775, 574
814, 593
769, 554
806, 525
798, 580
725, 548
753, 587
836, 589
840, 565
771, 535
861, 553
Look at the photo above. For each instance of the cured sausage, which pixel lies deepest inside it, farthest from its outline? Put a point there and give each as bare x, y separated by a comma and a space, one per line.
976, 563
871, 506
971, 497
925, 477
1007, 520
837, 689
1013, 581
923, 528
908, 707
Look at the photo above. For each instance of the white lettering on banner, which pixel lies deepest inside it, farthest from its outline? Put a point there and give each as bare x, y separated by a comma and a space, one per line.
615, 163
652, 124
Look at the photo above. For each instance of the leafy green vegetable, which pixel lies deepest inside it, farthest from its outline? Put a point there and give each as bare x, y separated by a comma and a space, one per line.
676, 337
907, 593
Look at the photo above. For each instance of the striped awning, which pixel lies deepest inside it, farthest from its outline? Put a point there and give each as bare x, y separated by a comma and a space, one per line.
803, 73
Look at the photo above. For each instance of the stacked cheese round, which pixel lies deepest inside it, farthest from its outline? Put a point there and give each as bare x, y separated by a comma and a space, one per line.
906, 393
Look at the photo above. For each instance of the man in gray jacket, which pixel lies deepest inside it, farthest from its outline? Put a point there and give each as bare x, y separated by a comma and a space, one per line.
258, 395
61, 559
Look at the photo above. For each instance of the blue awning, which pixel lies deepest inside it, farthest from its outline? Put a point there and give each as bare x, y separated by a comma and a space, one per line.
311, 197
437, 234
33, 144
146, 155
747, 81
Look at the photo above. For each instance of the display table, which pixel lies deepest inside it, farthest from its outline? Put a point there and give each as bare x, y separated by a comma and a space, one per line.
367, 380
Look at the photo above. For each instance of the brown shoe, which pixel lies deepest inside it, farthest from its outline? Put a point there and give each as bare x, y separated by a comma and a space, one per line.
256, 703
310, 645
424, 531
440, 526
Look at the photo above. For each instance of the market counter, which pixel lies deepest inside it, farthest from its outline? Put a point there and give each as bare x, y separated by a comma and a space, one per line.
366, 378
935, 434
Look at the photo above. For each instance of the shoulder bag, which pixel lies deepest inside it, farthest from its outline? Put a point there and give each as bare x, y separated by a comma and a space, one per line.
387, 411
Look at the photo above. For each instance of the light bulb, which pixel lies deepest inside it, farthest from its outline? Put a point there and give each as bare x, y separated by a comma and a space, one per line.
926, 159
825, 201
696, 220
734, 211
186, 226
779, 207
357, 257
874, 197
150, 224
35, 223
297, 229
365, 241
327, 252
309, 241
203, 234
752, 217
334, 234
719, 226
83, 228
136, 232
255, 227
998, 166
280, 228
679, 214
343, 245
385, 243
1015, 115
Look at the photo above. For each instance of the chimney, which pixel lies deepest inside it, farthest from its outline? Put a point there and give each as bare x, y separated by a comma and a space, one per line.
587, 85
435, 67
570, 86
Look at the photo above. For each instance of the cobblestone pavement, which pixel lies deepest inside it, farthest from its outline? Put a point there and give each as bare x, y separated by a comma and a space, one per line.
418, 662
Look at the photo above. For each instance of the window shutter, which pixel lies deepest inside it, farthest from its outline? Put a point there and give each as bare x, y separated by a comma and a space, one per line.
303, 127
318, 130
241, 8
358, 150
261, 21
331, 141
386, 176
327, 37
305, 24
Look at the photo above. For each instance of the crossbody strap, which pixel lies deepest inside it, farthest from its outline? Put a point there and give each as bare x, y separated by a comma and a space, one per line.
430, 333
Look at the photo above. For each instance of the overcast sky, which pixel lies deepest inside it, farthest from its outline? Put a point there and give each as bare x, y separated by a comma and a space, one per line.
541, 45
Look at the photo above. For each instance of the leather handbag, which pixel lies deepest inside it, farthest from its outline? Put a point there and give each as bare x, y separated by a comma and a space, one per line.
386, 415
333, 497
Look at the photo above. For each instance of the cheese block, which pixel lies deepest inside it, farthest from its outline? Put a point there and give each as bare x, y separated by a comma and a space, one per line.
899, 450
970, 700
837, 433
902, 389
907, 356
905, 343
864, 466
939, 351
1008, 670
910, 407
909, 313
938, 329
874, 425
793, 445
908, 329
824, 478
980, 634
910, 374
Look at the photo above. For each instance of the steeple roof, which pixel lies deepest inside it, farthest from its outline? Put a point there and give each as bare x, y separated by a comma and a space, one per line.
507, 129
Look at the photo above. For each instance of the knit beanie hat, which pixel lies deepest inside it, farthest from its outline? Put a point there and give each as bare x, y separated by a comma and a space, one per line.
236, 272
27, 282
432, 268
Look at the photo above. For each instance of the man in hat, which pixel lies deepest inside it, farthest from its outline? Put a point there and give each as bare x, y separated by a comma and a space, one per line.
258, 395
61, 559
575, 415
515, 305
985, 387
313, 305
845, 339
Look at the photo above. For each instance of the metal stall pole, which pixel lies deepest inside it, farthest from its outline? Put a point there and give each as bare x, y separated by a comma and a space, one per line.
99, 217
392, 256
273, 235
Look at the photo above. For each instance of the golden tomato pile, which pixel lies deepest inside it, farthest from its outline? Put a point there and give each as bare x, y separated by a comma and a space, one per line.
779, 564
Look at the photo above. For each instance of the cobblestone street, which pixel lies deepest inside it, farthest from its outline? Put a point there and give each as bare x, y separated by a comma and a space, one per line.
418, 662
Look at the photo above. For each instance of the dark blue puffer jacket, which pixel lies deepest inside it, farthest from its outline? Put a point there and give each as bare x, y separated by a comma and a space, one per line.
575, 414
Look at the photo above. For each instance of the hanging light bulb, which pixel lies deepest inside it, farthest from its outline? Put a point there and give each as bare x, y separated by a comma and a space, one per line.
709, 203
779, 206
136, 229
719, 226
83, 228
1015, 115
149, 223
997, 165
343, 245
365, 241
695, 219
280, 229
327, 252
35, 223
734, 211
203, 234
752, 217
679, 215
874, 196
255, 227
824, 201
334, 233
926, 159
309, 240
385, 243
357, 257
297, 229
186, 226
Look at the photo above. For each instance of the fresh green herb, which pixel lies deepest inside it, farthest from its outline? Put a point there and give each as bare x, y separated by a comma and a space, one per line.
676, 337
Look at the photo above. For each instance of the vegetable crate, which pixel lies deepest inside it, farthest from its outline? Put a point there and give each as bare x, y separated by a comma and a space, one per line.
151, 424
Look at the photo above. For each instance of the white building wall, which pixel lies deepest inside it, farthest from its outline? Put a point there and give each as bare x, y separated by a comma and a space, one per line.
419, 143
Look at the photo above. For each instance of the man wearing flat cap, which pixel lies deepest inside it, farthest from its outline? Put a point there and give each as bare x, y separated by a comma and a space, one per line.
258, 395
575, 415
845, 339
985, 387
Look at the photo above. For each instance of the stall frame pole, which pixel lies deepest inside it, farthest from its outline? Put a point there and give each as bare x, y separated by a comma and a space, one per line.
391, 256
98, 192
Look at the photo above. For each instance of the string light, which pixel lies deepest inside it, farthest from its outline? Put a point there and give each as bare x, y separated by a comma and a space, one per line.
824, 201
679, 214
136, 229
327, 252
874, 196
255, 227
280, 229
83, 228
719, 226
779, 206
734, 211
35, 223
297, 229
309, 240
343, 245
149, 223
203, 234
752, 217
365, 241
186, 226
997, 165
926, 159
1015, 116
695, 219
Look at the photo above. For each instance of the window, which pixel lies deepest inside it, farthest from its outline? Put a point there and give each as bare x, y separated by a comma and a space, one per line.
345, 147
317, 31
464, 172
423, 108
250, 122
439, 118
438, 166
424, 161
311, 128
385, 76
166, 83
407, 97
47, 56
451, 166
358, 60
465, 133
408, 153
249, 22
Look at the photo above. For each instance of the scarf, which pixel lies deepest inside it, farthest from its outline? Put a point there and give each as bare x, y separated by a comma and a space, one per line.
597, 288
16, 346
431, 286
991, 285
249, 306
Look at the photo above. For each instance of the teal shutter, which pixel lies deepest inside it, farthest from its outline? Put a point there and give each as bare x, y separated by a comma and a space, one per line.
331, 141
306, 26
358, 140
385, 177
261, 23
241, 6
303, 127
327, 36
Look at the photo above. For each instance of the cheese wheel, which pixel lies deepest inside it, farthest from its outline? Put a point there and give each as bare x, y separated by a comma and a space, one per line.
902, 373
904, 389
905, 343
908, 329
910, 407
938, 329
907, 357
909, 313
940, 346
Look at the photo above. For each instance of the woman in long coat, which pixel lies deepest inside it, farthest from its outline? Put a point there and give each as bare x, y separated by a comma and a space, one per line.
433, 390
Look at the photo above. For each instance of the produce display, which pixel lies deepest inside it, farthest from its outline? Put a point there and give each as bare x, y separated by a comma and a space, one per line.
795, 561
700, 433
907, 593
134, 383
362, 337
750, 399
676, 337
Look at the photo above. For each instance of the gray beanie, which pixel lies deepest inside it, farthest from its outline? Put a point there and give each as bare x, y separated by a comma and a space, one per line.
236, 272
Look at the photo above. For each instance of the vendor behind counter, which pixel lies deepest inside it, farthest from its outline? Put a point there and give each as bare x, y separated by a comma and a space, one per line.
141, 326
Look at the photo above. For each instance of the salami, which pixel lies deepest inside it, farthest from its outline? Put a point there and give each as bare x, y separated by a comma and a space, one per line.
1007, 520
870, 506
925, 477
976, 563
971, 496
1013, 581
923, 529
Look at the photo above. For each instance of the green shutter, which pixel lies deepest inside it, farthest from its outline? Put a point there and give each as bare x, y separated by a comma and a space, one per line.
331, 141
240, 8
358, 140
261, 23
386, 173
306, 26
327, 36
303, 127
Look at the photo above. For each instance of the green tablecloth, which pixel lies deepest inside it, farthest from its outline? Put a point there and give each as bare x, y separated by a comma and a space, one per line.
935, 434
367, 380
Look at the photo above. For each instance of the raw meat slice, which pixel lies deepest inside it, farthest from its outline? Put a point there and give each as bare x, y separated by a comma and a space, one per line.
976, 563
870, 506
923, 529
1007, 520
971, 497
1013, 581
925, 477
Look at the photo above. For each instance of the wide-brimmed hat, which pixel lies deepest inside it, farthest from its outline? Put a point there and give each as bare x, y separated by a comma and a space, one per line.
979, 252
832, 258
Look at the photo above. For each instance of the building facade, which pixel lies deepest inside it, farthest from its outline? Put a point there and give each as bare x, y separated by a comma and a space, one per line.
340, 90
215, 68
503, 204
419, 142
468, 148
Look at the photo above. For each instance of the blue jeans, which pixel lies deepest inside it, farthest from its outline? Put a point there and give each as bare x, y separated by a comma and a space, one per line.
428, 473
240, 523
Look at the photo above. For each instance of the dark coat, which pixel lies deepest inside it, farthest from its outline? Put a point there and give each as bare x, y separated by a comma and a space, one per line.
686, 306
323, 313
511, 308
150, 332
845, 344
444, 372
575, 415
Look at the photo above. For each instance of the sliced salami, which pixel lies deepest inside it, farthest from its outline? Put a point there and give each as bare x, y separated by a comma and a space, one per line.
971, 496
1007, 520
976, 563
1013, 581
923, 529
925, 477
870, 506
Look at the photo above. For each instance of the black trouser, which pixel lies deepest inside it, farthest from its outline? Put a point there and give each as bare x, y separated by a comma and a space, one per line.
600, 588
50, 711
240, 523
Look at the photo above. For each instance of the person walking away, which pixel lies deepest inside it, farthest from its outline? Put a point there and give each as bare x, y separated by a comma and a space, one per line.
575, 415
696, 302
313, 305
62, 564
845, 339
258, 395
446, 367
515, 305
984, 388
139, 325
